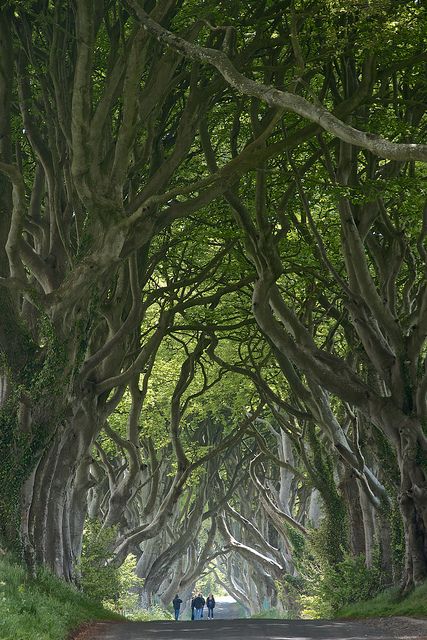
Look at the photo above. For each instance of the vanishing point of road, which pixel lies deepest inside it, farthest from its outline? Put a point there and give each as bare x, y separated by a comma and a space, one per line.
243, 629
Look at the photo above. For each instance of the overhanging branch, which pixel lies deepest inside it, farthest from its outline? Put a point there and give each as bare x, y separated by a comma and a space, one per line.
281, 99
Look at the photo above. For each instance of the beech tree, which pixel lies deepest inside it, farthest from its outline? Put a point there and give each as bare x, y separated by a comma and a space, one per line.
89, 150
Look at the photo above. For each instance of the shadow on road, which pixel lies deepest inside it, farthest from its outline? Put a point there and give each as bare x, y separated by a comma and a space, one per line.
243, 630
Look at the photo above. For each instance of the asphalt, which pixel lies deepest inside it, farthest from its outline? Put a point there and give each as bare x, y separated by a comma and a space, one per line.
245, 630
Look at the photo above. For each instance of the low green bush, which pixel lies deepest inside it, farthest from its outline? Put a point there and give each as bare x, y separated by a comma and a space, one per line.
115, 587
331, 588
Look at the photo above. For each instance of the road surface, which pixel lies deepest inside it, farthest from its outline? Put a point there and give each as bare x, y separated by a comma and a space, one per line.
226, 608
244, 629
229, 624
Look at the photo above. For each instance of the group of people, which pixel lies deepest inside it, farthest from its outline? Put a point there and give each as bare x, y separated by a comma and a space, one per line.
198, 604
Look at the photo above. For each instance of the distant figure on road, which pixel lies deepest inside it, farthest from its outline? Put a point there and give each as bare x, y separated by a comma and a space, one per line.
210, 603
193, 597
176, 605
199, 603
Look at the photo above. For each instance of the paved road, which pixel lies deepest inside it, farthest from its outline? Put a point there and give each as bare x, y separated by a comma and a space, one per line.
243, 630
227, 607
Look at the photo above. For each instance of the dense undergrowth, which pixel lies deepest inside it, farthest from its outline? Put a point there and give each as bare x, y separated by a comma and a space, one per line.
41, 608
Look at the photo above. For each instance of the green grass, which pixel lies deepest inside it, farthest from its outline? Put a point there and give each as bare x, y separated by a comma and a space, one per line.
389, 603
148, 615
268, 614
43, 608
274, 614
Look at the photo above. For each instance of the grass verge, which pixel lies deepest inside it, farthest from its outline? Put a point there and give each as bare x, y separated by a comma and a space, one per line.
148, 615
389, 603
273, 614
41, 608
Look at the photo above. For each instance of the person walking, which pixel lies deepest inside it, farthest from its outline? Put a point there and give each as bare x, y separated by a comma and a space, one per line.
176, 606
193, 608
210, 603
199, 603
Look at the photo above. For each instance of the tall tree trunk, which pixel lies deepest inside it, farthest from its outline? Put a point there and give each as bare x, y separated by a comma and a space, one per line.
413, 506
51, 527
350, 492
368, 519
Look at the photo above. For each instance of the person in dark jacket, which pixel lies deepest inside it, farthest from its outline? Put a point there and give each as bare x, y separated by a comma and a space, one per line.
192, 606
199, 603
176, 605
210, 603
